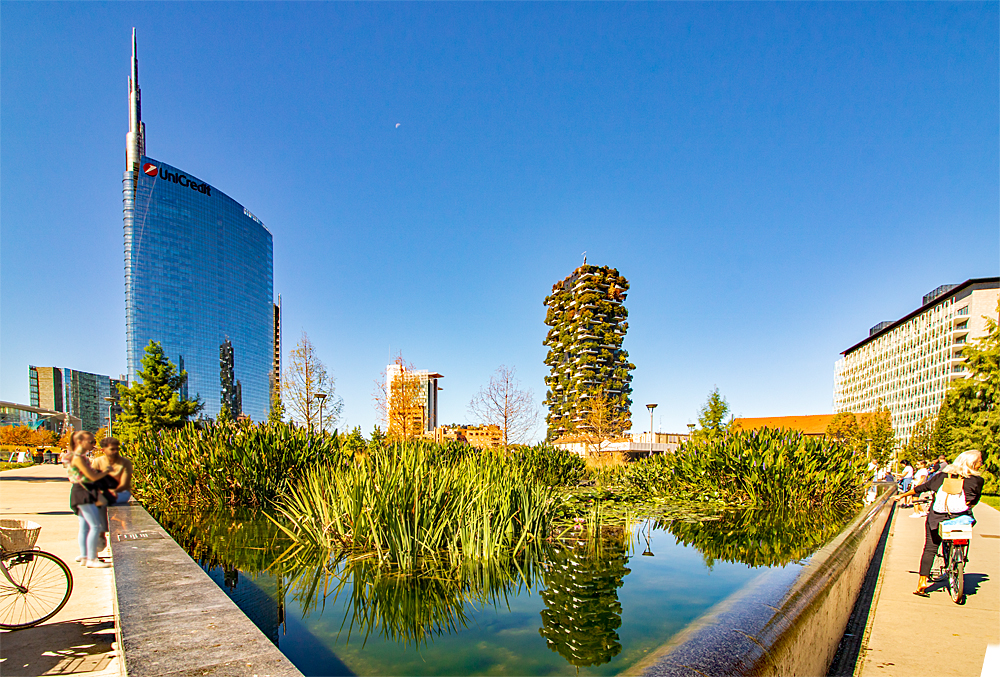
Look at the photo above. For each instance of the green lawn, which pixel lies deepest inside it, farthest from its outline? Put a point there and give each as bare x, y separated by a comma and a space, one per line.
10, 466
991, 500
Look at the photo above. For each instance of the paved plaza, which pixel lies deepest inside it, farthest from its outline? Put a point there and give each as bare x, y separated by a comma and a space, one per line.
80, 638
912, 635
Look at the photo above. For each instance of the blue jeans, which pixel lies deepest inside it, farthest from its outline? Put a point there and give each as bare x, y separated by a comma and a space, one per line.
92, 528
123, 497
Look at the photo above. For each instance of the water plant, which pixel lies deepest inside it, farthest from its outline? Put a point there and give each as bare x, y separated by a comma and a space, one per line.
410, 506
235, 464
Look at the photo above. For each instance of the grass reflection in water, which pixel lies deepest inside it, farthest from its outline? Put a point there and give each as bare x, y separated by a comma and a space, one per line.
464, 619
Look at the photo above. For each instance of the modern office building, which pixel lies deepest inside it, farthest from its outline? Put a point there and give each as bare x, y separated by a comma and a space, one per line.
198, 271
78, 393
589, 320
907, 364
276, 365
412, 400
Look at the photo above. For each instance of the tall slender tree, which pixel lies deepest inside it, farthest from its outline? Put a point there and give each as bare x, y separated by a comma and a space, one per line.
305, 377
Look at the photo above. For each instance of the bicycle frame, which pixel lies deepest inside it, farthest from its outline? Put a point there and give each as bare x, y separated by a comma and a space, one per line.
6, 574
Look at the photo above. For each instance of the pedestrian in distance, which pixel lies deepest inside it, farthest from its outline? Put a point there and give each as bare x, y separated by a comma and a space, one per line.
919, 477
905, 479
957, 489
89, 503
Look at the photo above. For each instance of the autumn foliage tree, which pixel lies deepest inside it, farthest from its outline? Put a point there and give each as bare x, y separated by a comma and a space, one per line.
305, 377
503, 403
399, 400
22, 435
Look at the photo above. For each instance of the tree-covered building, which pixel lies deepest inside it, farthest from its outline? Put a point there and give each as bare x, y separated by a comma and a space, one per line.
589, 320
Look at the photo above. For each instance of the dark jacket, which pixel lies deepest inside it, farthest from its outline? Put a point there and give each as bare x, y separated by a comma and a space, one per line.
972, 486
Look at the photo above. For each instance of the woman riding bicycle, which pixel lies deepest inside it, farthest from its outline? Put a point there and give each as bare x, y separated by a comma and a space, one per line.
956, 491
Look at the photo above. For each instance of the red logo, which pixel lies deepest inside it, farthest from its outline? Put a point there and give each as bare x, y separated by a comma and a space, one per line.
150, 168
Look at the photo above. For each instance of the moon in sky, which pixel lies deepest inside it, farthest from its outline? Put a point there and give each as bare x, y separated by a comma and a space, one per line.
397, 125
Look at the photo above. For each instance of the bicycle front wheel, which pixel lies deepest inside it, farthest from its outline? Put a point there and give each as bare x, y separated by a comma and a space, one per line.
41, 587
956, 574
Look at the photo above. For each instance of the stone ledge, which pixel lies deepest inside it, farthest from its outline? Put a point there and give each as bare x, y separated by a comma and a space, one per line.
172, 619
787, 622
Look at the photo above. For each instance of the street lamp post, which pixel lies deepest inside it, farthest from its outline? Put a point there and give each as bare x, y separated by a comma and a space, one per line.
651, 407
111, 405
320, 397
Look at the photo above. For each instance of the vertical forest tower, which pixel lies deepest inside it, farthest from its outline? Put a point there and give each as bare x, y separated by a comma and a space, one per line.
589, 320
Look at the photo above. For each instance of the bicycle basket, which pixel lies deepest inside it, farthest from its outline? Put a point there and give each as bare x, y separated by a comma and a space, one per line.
959, 528
18, 535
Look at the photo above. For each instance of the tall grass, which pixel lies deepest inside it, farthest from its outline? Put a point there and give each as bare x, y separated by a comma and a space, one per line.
242, 465
406, 506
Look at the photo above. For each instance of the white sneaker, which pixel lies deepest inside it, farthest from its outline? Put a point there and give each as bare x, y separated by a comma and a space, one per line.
98, 564
81, 558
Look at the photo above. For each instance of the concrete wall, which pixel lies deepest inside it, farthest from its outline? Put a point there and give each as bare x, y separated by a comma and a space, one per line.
789, 621
171, 618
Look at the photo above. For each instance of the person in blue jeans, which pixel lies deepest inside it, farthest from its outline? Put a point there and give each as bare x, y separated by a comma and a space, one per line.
88, 503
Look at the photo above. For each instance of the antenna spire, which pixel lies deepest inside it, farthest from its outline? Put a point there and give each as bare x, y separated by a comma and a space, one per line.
135, 140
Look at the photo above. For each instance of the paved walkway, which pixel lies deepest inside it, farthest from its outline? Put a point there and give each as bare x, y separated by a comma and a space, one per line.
79, 639
912, 635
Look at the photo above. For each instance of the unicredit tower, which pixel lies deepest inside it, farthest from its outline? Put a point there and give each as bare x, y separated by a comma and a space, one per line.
198, 278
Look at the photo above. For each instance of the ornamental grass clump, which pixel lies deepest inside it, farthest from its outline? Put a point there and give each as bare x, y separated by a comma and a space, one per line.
234, 464
406, 506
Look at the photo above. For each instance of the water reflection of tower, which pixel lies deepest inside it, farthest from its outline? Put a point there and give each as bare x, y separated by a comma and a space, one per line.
261, 598
582, 613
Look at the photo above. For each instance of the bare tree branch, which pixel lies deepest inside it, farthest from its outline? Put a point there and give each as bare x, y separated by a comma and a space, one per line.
305, 376
506, 405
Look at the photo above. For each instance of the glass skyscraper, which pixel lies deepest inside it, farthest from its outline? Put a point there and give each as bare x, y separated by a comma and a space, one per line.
198, 274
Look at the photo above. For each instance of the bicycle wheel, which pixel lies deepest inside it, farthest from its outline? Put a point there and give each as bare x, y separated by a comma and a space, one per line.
956, 574
41, 586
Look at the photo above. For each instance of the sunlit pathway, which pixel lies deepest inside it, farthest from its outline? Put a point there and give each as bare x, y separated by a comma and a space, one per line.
913, 635
77, 640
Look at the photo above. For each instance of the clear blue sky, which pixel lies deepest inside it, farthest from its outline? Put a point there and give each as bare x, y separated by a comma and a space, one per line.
773, 179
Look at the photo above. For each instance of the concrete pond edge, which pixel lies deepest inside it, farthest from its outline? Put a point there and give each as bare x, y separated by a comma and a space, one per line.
171, 619
789, 620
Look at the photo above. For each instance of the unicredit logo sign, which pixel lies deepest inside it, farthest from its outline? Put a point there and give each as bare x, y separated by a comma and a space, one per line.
182, 179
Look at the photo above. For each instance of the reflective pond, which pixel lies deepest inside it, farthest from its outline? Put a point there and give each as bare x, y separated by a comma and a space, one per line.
594, 605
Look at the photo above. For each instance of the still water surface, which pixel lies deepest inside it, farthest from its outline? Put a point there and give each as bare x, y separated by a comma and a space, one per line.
594, 606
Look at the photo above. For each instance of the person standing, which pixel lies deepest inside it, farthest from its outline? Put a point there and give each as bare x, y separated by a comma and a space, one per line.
905, 481
85, 501
118, 467
919, 477
957, 490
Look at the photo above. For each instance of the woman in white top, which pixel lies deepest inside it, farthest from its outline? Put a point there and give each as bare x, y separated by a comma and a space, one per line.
919, 478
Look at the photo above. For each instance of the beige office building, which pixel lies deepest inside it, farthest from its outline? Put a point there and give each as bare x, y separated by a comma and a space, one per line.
907, 364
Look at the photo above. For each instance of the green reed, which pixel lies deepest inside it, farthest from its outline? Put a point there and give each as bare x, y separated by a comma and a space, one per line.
242, 465
405, 505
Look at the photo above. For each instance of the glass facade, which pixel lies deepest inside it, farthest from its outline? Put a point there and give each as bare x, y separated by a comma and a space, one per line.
198, 273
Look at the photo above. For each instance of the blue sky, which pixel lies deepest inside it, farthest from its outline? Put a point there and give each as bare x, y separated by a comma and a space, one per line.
773, 179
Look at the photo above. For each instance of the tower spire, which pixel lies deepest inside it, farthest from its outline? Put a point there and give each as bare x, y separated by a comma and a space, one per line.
135, 140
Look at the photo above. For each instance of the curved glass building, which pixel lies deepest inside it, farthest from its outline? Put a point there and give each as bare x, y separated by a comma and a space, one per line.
198, 279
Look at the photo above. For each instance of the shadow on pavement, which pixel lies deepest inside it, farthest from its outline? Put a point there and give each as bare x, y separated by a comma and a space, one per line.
82, 645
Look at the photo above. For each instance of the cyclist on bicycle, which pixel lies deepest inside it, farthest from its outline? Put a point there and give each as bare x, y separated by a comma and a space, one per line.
956, 491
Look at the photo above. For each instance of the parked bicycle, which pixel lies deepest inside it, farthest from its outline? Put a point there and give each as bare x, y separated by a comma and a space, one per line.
34, 585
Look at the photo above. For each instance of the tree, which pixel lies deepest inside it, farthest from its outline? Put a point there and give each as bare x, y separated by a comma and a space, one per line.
277, 412
843, 428
506, 405
712, 417
22, 435
305, 376
399, 399
602, 421
921, 444
879, 435
970, 414
153, 401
